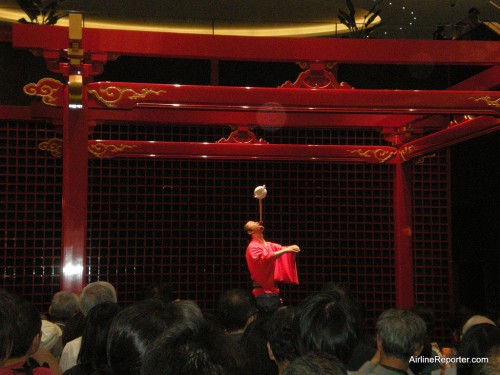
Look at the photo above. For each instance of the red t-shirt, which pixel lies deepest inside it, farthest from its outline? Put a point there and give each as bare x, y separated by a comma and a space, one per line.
261, 264
14, 369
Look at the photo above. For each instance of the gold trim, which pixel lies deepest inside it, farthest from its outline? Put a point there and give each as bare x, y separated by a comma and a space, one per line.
407, 150
487, 99
422, 159
43, 88
53, 145
99, 149
378, 154
111, 95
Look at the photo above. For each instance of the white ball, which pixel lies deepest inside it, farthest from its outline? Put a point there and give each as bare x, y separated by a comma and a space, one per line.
260, 192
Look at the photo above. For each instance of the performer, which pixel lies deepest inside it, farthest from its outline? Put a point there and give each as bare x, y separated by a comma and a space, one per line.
262, 256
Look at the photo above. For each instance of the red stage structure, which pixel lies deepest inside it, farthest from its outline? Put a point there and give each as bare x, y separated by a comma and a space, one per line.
408, 131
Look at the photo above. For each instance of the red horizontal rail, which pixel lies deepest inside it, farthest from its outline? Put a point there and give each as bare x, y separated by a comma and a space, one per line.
172, 45
152, 149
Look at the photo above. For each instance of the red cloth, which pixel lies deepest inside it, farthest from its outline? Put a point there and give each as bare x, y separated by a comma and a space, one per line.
286, 269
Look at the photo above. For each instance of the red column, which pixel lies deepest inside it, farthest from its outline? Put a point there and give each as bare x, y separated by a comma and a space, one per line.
74, 197
403, 249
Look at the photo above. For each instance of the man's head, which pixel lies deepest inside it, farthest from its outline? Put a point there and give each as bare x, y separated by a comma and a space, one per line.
327, 321
96, 293
64, 305
401, 334
253, 227
279, 334
236, 309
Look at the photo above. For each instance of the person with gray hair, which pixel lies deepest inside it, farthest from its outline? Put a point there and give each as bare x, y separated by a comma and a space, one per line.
92, 295
64, 305
401, 335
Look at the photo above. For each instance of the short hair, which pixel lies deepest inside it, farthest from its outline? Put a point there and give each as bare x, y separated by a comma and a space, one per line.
401, 333
327, 321
279, 334
26, 321
96, 293
205, 351
64, 305
234, 309
315, 364
131, 333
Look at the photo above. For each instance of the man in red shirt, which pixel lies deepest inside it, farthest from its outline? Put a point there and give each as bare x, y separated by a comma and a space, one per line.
261, 259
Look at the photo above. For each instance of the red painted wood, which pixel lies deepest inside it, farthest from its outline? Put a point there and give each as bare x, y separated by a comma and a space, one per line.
356, 51
403, 250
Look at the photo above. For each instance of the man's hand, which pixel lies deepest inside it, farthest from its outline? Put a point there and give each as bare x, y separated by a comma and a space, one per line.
292, 249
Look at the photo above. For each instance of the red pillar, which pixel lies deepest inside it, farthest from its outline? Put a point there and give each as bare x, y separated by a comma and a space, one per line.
403, 249
75, 165
74, 198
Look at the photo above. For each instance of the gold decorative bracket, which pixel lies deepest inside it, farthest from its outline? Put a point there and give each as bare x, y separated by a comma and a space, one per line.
488, 100
50, 90
317, 76
53, 145
242, 135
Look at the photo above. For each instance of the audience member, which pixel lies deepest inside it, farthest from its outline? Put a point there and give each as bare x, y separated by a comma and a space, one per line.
474, 320
26, 356
236, 309
64, 306
279, 333
202, 351
401, 336
51, 338
315, 364
327, 322
475, 343
92, 356
431, 348
136, 327
254, 342
366, 346
92, 295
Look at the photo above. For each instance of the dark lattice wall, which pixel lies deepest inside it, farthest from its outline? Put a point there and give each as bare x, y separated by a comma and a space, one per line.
181, 220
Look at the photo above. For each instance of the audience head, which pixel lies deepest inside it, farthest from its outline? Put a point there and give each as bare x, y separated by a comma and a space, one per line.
476, 341
236, 308
202, 351
254, 341
279, 333
427, 314
96, 293
327, 322
136, 327
474, 320
92, 354
315, 364
401, 334
51, 335
64, 305
26, 325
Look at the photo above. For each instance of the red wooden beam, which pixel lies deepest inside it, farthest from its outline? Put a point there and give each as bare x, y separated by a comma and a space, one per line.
242, 151
447, 137
290, 100
172, 45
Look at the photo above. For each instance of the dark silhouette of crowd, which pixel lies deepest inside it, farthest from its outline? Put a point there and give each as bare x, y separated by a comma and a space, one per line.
158, 335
